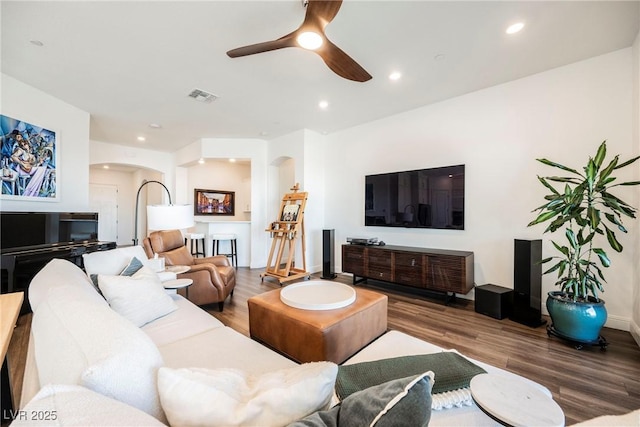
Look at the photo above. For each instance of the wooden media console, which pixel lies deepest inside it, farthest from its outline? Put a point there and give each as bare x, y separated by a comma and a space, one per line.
436, 270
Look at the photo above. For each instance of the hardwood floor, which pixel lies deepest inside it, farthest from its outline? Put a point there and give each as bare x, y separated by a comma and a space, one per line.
586, 383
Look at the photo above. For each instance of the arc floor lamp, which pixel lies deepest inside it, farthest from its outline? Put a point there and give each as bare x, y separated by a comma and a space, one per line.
164, 217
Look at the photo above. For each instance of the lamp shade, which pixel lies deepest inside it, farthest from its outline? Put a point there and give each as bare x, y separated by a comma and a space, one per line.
169, 217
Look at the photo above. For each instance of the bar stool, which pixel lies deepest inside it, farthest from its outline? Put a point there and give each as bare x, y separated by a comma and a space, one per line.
198, 239
215, 247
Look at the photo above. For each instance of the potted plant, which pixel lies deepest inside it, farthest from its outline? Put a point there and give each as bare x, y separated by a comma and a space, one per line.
584, 208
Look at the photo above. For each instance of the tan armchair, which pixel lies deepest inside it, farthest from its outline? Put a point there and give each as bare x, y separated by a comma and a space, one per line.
213, 277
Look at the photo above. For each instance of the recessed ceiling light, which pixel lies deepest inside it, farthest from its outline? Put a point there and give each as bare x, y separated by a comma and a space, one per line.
512, 29
395, 75
141, 138
323, 104
310, 40
36, 43
154, 126
440, 57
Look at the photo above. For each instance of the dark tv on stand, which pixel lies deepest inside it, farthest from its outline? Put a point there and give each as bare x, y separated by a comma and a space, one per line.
422, 198
22, 229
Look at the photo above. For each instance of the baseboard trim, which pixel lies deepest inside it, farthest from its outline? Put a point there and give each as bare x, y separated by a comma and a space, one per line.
635, 332
617, 322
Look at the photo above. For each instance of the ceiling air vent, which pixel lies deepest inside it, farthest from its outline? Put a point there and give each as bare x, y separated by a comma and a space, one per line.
202, 96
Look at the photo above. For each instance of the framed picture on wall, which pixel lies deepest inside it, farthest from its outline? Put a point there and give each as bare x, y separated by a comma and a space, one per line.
29, 159
214, 202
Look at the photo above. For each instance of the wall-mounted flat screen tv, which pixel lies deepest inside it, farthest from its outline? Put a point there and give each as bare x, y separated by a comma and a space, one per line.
424, 198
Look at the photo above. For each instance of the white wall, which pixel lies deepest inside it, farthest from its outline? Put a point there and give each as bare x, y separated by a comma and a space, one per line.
253, 150
123, 181
497, 133
153, 165
127, 184
104, 153
24, 102
635, 318
287, 155
314, 179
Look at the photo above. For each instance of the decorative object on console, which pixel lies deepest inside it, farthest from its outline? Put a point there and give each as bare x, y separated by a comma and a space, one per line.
362, 240
583, 208
163, 217
29, 161
214, 202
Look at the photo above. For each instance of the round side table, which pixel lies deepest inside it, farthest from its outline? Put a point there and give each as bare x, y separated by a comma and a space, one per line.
515, 402
178, 269
178, 284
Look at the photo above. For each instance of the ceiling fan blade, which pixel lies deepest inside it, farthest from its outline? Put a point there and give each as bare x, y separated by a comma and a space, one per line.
321, 12
341, 63
285, 41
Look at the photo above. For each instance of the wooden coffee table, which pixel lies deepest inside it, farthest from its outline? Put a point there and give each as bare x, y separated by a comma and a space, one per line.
10, 305
316, 335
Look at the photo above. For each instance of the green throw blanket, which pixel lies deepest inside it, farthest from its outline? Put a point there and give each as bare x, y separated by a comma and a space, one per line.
451, 370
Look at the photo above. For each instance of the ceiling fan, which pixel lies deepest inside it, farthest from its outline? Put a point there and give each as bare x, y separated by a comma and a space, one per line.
310, 35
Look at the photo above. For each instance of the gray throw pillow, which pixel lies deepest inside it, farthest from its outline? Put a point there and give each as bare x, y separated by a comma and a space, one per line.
401, 402
134, 265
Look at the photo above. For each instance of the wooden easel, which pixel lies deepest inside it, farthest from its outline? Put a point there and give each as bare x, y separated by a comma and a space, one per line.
285, 230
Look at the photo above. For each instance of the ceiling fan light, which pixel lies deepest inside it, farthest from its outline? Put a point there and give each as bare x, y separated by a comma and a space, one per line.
310, 40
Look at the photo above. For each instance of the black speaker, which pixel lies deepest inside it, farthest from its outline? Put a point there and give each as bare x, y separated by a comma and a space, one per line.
494, 301
527, 283
328, 254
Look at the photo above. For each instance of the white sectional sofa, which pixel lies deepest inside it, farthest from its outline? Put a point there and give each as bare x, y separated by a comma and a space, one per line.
89, 365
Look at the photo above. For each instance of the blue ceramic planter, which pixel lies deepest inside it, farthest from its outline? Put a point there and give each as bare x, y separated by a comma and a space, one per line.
580, 321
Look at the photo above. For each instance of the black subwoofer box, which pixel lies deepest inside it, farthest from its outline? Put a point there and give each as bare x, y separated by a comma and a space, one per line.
494, 301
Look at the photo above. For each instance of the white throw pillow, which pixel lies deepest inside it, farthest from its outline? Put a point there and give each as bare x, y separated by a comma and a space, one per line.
229, 397
84, 343
72, 405
140, 298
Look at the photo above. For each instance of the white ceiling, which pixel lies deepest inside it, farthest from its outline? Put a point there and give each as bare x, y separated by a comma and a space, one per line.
133, 63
